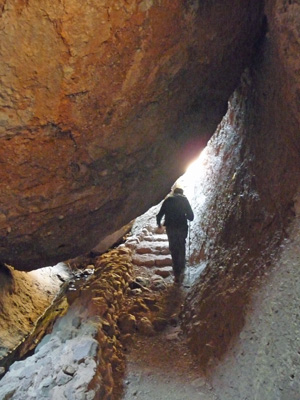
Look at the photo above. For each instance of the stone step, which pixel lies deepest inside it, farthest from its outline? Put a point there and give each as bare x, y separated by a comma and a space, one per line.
143, 260
163, 260
152, 247
156, 238
164, 271
151, 260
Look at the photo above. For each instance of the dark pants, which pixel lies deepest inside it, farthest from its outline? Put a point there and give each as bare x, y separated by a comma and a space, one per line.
177, 238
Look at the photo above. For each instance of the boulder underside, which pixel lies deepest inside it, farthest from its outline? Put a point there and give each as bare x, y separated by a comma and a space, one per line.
102, 107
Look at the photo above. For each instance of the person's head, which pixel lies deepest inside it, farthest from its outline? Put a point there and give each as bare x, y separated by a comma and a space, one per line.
178, 190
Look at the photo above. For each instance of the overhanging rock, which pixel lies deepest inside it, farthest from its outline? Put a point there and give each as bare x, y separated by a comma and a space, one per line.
102, 105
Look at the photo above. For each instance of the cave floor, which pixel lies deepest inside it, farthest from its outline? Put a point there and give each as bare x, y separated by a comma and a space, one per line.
262, 363
161, 366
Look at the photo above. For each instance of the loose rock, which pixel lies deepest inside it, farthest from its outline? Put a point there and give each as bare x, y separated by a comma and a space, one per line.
145, 327
164, 272
127, 323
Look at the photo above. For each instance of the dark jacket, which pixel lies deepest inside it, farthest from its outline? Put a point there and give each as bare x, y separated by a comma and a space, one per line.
176, 209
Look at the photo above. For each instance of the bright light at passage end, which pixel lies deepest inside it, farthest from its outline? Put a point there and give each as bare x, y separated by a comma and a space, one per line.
196, 166
194, 172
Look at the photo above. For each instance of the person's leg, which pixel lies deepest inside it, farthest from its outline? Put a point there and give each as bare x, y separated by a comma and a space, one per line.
173, 246
181, 253
177, 248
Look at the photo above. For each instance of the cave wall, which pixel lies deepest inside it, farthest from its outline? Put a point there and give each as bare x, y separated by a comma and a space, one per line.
252, 204
25, 299
102, 105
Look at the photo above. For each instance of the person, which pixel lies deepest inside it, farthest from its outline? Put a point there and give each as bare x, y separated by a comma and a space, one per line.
177, 210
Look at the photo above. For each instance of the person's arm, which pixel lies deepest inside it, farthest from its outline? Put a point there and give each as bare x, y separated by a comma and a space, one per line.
160, 215
189, 212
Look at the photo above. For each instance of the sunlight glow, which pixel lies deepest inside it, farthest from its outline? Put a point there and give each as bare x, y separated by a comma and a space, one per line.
198, 164
194, 172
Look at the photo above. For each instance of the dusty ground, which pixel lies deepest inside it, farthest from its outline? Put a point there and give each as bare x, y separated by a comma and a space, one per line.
264, 364
158, 368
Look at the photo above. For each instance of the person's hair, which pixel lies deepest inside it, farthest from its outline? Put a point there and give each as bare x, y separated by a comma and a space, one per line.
178, 190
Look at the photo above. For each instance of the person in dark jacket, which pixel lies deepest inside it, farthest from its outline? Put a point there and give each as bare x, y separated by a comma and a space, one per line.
177, 210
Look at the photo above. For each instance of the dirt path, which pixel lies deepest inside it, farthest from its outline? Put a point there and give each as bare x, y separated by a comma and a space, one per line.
160, 367
262, 364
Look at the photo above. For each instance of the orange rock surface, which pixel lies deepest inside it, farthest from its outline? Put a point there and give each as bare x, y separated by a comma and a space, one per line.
102, 105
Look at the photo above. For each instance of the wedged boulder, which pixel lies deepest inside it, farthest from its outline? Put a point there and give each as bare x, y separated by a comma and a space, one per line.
102, 106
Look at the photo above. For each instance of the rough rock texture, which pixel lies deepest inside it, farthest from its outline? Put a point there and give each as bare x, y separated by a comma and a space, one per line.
249, 209
111, 240
97, 100
264, 363
24, 298
81, 357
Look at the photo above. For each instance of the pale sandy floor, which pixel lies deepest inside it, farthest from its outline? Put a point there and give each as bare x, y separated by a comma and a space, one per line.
162, 369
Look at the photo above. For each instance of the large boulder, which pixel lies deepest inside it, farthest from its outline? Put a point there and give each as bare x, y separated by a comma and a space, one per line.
102, 105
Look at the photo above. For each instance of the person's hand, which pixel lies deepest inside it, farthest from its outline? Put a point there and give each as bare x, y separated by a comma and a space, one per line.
160, 229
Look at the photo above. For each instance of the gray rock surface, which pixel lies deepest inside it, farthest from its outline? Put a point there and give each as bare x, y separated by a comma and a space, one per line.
61, 368
74, 361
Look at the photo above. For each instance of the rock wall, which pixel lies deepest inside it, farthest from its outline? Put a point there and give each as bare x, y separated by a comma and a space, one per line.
101, 107
81, 358
24, 299
252, 203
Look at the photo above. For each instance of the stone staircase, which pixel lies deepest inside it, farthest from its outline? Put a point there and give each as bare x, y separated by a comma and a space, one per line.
151, 251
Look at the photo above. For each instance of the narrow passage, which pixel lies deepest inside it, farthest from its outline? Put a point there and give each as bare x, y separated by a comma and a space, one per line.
158, 363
